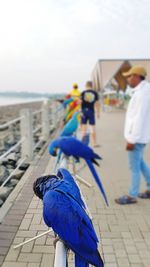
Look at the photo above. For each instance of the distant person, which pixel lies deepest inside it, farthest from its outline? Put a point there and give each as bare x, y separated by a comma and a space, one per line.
89, 106
137, 133
75, 93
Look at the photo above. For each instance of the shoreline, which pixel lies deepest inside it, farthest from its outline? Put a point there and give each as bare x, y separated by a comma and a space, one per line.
12, 111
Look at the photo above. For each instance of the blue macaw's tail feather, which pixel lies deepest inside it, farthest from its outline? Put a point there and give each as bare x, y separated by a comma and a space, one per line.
59, 155
86, 139
58, 159
80, 262
97, 179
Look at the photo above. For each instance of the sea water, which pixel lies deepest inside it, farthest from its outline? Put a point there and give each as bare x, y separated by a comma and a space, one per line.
4, 101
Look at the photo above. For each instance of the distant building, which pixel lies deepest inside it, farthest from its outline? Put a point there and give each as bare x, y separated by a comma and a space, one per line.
108, 73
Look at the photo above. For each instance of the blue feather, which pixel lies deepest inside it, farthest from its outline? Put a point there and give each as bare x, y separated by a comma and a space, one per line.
97, 179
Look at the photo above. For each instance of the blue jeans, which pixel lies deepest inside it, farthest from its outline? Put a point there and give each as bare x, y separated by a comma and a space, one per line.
138, 166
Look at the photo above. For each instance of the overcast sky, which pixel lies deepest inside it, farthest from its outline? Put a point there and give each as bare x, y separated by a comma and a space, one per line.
47, 45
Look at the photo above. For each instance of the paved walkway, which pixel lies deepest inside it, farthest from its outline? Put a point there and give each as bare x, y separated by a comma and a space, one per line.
124, 231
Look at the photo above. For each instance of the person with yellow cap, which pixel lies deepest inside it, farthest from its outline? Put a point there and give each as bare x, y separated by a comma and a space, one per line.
137, 133
75, 91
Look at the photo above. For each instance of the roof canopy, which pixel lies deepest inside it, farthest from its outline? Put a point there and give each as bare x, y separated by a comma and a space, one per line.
109, 72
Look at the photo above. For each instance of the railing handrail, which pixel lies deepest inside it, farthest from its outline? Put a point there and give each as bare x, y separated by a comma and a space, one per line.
4, 125
12, 148
12, 173
37, 129
37, 111
37, 144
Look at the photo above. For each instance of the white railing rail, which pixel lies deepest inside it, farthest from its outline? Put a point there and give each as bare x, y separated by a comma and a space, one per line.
12, 173
4, 125
12, 149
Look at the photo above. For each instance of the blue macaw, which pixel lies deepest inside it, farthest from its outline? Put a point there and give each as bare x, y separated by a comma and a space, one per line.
71, 126
63, 211
71, 146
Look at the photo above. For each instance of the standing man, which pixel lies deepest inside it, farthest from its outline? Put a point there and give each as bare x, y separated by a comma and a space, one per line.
89, 104
137, 133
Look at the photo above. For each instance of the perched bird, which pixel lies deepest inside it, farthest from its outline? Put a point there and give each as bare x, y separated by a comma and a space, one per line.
72, 125
63, 211
71, 146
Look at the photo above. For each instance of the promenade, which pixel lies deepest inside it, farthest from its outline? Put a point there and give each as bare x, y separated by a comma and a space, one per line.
124, 231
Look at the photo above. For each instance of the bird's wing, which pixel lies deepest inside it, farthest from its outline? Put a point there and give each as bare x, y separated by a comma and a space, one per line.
69, 220
97, 179
73, 187
71, 146
72, 225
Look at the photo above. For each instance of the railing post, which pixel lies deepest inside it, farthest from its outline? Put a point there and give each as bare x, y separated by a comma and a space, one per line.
60, 254
45, 120
27, 133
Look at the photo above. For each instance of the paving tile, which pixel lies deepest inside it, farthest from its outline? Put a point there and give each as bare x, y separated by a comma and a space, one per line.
30, 257
47, 259
12, 255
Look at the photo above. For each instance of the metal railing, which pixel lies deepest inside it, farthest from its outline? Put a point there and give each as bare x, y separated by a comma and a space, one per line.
29, 127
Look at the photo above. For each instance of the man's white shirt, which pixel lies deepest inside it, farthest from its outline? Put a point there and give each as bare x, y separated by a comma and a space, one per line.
137, 122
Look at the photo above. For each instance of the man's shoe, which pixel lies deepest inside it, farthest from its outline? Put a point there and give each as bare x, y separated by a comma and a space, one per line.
125, 200
144, 195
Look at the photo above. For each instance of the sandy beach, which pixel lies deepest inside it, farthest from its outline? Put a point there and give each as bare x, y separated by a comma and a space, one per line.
13, 111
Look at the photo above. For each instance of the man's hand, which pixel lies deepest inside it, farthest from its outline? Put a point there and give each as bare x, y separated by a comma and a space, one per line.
129, 146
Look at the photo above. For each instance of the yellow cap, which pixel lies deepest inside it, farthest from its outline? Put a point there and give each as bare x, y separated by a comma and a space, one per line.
138, 70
